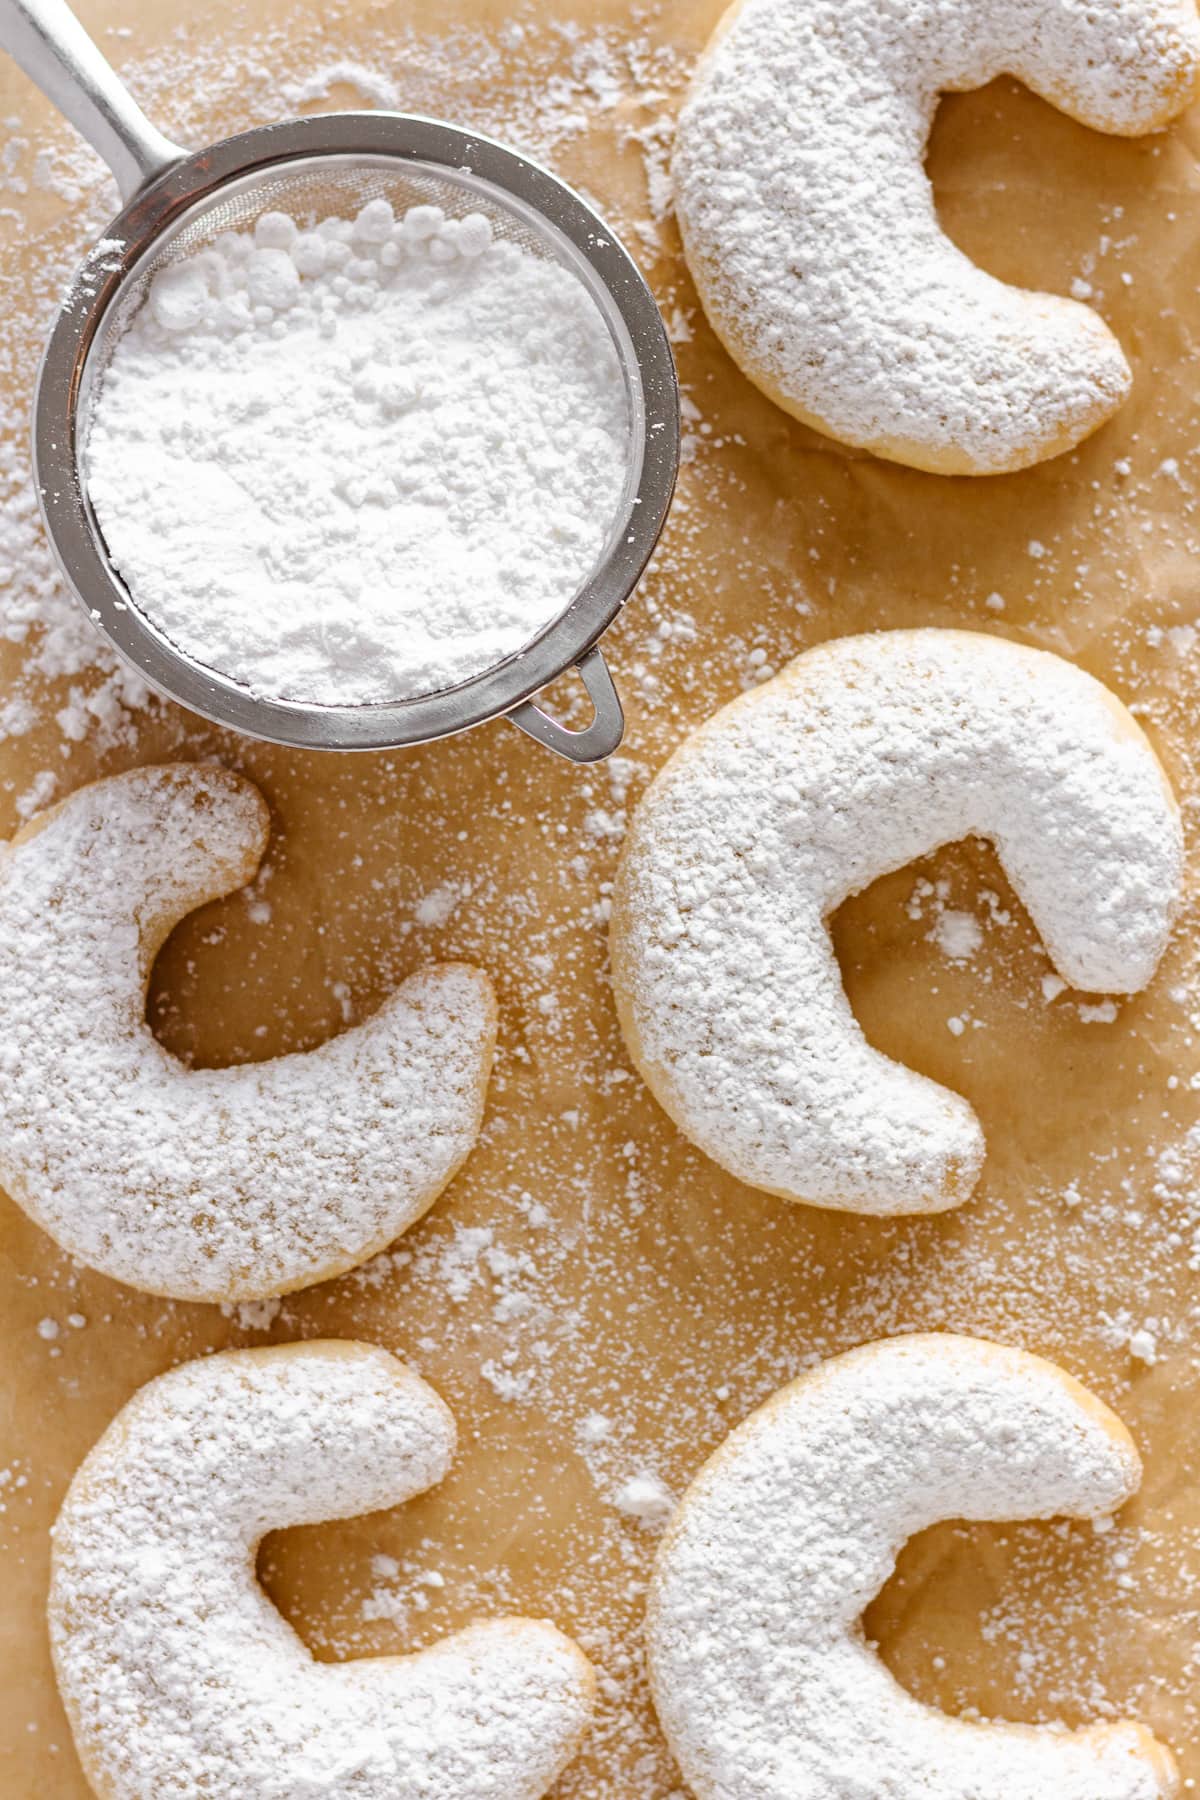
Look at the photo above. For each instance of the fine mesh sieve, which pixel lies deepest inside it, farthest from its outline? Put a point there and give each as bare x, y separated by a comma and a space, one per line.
330, 165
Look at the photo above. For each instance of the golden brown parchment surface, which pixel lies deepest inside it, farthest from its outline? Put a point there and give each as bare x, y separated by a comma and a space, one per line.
624, 1276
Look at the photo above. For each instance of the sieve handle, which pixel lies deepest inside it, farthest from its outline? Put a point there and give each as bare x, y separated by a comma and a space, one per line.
46, 39
595, 741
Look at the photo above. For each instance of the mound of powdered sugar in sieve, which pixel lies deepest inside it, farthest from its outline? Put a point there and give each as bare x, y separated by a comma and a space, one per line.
361, 462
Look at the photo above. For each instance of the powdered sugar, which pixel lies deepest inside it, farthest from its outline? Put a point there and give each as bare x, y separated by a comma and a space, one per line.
180, 1677
810, 224
59, 641
670, 1299
217, 1184
646, 1498
864, 754
363, 461
763, 1681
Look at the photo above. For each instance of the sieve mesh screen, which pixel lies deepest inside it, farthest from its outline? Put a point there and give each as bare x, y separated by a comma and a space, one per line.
316, 168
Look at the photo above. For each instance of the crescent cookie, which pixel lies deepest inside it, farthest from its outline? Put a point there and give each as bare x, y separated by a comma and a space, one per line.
860, 756
205, 1184
809, 222
180, 1678
764, 1682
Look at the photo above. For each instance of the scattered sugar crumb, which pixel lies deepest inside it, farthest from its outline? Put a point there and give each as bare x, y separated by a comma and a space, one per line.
646, 1499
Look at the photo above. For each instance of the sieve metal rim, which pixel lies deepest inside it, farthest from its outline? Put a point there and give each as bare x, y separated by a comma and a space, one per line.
165, 206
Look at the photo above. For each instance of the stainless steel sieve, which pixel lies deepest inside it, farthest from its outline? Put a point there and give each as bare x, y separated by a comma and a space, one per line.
176, 201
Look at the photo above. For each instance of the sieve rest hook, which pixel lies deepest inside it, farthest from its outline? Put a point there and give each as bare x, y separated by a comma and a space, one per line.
47, 41
595, 741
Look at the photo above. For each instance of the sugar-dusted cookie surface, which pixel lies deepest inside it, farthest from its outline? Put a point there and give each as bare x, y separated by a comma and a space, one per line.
862, 755
179, 1676
763, 1680
810, 227
205, 1184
